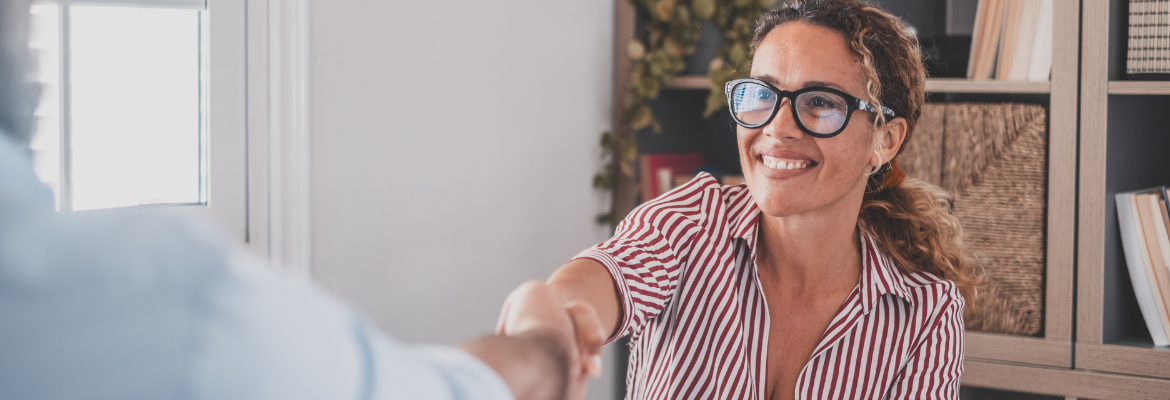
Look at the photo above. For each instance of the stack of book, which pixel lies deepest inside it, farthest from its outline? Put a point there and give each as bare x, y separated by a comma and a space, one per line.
1012, 40
661, 173
1144, 220
1149, 39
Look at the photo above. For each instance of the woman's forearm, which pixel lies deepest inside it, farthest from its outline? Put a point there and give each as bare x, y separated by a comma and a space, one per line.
588, 281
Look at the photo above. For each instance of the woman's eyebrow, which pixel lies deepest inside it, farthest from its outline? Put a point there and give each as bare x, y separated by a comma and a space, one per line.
769, 79
822, 84
775, 82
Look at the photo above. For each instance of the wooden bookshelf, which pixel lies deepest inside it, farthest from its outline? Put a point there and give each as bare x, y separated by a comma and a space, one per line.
1139, 87
1032, 356
1122, 148
933, 85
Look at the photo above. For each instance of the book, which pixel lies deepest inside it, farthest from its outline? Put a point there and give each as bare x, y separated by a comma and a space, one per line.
733, 180
1163, 36
988, 33
1162, 226
1007, 47
1132, 246
1146, 205
1148, 44
1040, 66
1025, 40
977, 36
657, 171
1012, 40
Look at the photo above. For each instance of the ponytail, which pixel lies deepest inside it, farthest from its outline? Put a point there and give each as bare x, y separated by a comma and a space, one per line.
912, 221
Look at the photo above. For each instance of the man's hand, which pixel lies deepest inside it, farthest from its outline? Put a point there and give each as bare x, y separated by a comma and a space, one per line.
534, 308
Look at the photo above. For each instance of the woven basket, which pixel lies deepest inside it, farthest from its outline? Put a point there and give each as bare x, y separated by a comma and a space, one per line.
992, 159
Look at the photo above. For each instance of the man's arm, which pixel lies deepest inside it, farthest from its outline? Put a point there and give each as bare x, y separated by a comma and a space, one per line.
535, 365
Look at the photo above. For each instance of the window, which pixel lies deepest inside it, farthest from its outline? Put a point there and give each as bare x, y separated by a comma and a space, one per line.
122, 120
143, 104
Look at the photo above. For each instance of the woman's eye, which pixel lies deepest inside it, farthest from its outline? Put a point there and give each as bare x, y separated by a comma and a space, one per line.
821, 102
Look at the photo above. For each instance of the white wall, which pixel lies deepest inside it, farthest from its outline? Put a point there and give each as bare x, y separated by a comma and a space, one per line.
453, 147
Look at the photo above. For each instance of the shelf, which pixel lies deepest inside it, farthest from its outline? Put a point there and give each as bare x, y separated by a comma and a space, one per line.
933, 85
1062, 381
1139, 87
1018, 349
960, 85
1143, 361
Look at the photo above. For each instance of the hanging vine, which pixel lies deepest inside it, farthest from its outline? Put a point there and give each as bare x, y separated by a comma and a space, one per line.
734, 18
662, 43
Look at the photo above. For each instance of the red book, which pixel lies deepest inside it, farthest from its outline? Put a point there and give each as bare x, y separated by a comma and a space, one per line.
657, 171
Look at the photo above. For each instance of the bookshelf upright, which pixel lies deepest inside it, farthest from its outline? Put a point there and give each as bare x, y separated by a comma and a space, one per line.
1124, 142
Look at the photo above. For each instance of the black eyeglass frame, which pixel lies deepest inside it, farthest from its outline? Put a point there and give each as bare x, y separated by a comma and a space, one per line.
852, 103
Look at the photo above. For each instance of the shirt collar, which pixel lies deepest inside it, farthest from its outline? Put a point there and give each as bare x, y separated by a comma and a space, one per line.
879, 275
745, 226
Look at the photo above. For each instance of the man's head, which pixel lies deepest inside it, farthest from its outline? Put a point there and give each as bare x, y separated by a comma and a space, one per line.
18, 93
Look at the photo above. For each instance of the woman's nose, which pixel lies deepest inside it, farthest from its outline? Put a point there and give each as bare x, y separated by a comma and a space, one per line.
783, 125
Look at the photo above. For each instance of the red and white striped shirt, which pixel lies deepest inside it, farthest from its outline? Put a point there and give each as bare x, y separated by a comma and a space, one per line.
684, 266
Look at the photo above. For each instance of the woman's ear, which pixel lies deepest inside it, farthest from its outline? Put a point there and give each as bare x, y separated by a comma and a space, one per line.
889, 140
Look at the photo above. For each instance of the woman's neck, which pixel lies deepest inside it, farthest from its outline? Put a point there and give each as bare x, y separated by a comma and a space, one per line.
811, 250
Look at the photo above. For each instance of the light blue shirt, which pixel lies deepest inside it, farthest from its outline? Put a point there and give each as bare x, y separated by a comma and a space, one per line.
121, 305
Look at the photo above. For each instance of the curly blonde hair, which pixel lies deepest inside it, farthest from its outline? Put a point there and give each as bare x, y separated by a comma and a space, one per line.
910, 219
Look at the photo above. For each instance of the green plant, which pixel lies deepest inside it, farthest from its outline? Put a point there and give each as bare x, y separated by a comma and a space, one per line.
607, 178
658, 53
734, 18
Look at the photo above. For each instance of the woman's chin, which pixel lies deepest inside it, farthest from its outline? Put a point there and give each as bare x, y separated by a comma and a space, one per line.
778, 207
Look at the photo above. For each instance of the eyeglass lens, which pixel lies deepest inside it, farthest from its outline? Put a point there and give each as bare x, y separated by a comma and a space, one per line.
820, 112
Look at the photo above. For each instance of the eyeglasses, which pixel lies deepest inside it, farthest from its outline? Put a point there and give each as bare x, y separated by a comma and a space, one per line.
820, 111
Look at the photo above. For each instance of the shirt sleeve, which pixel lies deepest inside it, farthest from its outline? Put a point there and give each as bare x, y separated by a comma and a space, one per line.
119, 305
274, 337
434, 372
934, 370
649, 248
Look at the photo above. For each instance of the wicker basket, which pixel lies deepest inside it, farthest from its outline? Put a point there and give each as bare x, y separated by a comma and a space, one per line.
992, 159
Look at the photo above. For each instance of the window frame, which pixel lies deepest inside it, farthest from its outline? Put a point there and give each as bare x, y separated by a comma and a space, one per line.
224, 112
258, 135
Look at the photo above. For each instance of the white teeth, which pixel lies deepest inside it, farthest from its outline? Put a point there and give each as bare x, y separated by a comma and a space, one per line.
776, 163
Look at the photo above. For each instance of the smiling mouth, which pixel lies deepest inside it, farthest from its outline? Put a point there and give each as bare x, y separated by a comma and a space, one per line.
784, 164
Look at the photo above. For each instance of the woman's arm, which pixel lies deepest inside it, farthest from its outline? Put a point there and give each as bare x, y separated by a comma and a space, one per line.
546, 341
533, 307
629, 279
584, 288
587, 281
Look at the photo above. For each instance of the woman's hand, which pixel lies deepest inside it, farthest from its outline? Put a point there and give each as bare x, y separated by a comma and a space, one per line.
533, 307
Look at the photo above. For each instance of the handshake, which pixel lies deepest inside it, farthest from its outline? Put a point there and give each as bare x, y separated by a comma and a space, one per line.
545, 348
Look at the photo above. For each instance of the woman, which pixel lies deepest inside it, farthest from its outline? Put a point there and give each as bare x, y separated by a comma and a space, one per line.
826, 276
